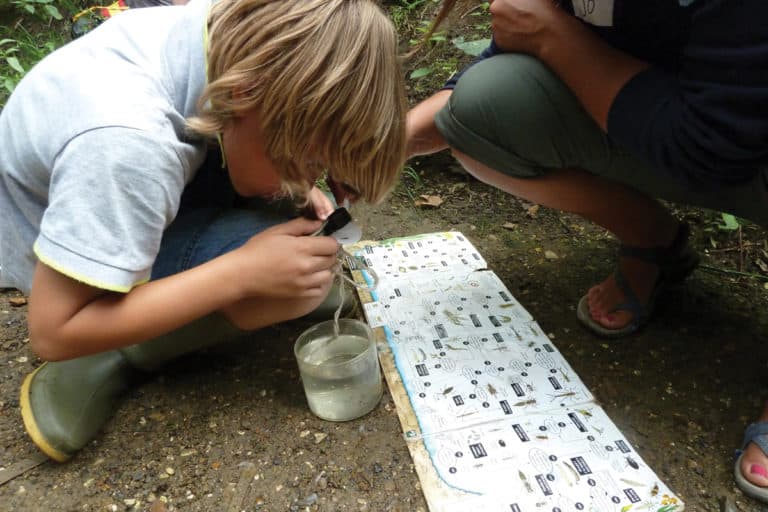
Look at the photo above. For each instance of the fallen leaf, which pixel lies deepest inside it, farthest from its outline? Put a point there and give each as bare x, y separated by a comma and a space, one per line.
17, 301
532, 211
426, 200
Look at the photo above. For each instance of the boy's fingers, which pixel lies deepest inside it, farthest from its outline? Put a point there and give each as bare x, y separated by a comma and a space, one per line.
300, 226
322, 263
319, 280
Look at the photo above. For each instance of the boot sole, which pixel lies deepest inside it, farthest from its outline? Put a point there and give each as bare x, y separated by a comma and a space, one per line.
31, 425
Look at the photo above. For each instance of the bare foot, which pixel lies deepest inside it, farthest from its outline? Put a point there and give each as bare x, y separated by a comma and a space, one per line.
754, 463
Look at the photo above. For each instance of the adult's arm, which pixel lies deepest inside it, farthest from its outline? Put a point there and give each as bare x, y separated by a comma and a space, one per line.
592, 69
703, 123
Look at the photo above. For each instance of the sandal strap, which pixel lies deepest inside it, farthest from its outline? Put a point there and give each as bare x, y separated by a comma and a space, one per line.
675, 262
631, 301
757, 433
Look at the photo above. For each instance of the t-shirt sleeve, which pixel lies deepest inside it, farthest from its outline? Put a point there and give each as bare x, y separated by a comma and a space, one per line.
707, 122
113, 192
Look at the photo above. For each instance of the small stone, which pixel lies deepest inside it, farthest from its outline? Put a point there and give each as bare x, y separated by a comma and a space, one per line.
304, 433
377, 467
129, 502
319, 437
158, 506
308, 501
170, 471
551, 255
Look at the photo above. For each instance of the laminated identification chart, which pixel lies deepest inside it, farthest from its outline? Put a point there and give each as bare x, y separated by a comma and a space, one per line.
494, 416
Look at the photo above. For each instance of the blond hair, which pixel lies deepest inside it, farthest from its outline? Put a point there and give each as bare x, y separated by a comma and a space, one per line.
324, 76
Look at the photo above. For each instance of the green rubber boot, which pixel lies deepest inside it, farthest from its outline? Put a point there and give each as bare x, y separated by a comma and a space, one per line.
64, 404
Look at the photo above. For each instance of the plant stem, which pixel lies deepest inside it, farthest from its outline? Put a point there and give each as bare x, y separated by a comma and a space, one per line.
733, 272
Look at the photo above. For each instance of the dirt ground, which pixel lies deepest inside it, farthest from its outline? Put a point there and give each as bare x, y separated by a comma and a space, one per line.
193, 436
229, 429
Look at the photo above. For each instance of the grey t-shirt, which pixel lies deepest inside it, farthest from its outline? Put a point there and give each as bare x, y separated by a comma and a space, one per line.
94, 154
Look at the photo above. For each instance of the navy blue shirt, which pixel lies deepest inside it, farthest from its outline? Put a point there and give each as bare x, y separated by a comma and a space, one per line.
700, 112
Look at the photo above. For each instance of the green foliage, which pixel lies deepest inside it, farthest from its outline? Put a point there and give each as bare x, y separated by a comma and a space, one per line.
473, 48
730, 222
9, 50
35, 29
410, 183
43, 9
402, 14
420, 73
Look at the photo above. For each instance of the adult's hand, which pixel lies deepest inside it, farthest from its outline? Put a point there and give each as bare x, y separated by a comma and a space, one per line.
572, 51
524, 26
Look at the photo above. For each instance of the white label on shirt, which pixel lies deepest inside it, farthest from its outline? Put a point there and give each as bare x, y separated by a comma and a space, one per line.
595, 12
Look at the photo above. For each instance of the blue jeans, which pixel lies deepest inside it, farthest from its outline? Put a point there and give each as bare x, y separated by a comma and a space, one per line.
212, 220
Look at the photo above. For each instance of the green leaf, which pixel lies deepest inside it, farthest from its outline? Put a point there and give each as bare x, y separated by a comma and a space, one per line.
53, 12
29, 8
420, 73
14, 63
9, 85
730, 223
473, 48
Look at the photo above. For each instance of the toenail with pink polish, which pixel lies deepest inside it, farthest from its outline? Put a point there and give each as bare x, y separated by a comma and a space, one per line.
757, 469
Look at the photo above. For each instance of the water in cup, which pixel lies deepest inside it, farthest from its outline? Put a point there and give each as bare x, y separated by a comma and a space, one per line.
340, 374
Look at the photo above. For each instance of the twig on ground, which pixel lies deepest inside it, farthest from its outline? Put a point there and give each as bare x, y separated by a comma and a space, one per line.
711, 268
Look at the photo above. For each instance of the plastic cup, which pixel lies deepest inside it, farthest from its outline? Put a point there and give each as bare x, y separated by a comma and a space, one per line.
341, 375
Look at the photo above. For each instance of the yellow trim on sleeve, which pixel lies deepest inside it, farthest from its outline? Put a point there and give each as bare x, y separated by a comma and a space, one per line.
83, 279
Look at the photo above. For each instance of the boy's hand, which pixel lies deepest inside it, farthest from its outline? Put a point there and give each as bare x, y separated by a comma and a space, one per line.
282, 262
